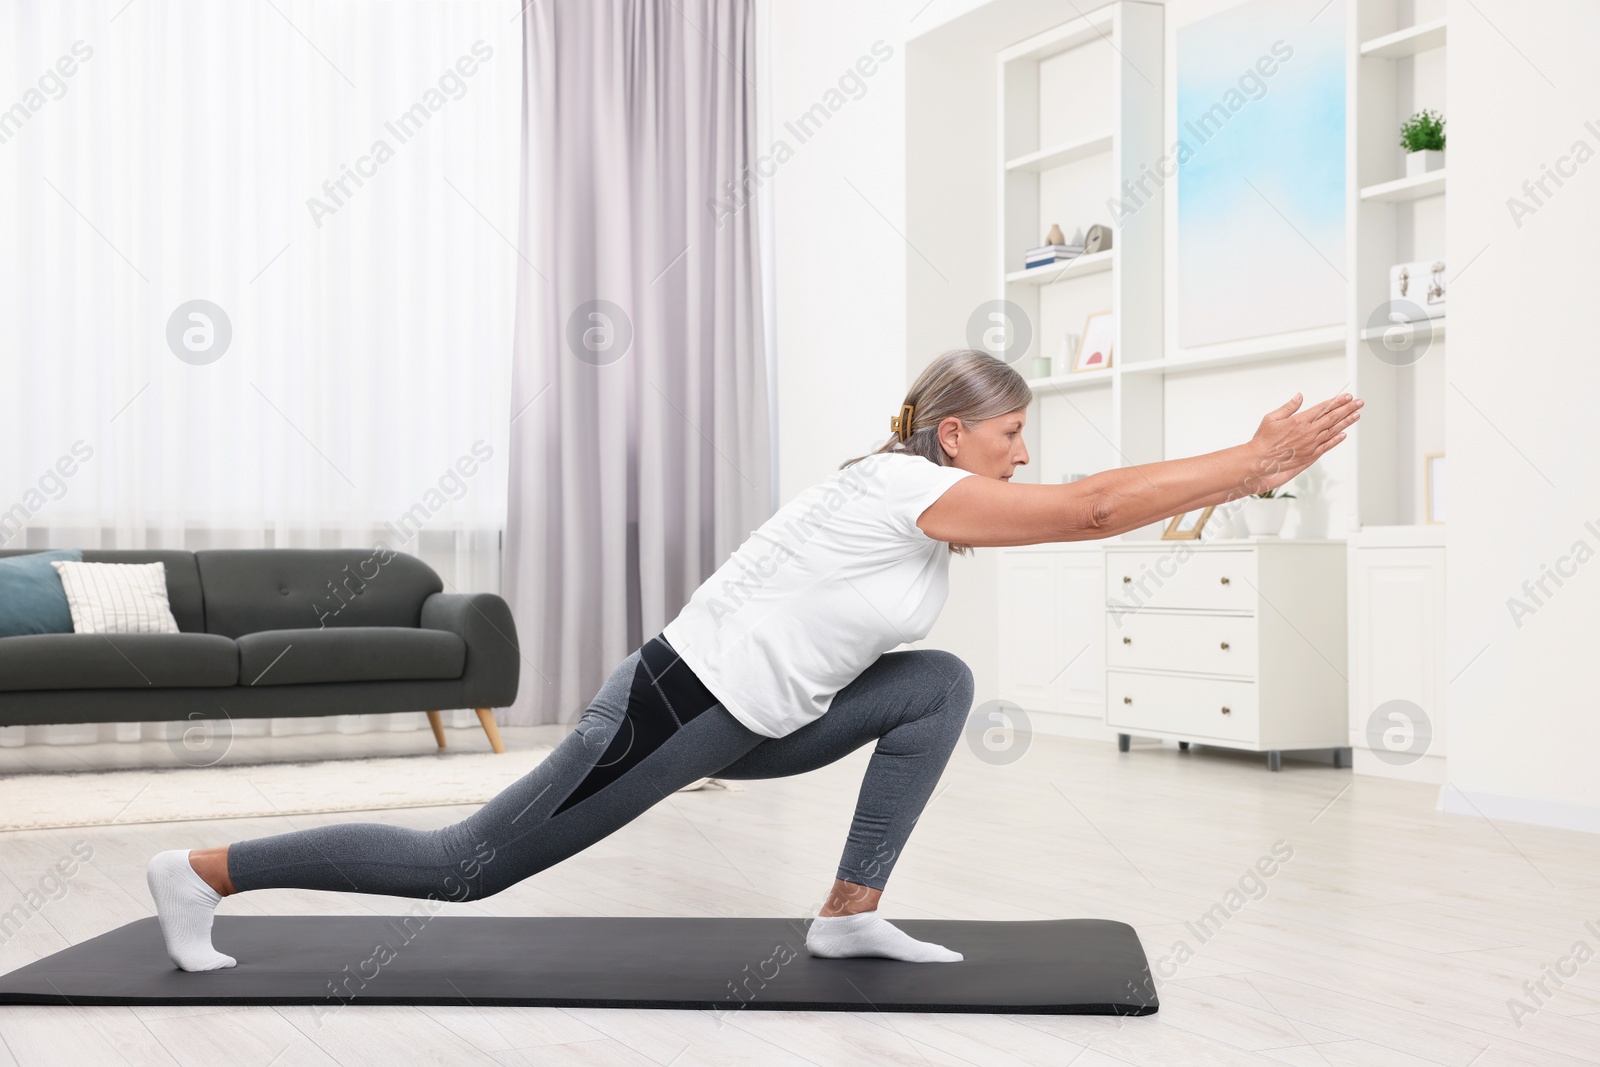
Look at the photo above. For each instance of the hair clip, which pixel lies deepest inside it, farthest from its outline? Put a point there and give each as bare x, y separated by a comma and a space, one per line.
901, 423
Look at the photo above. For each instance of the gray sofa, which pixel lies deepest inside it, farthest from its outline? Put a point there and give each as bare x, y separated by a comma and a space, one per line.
275, 632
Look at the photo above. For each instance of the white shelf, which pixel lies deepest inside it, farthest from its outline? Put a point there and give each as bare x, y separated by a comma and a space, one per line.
1429, 184
1274, 347
1403, 535
1437, 324
1089, 263
1097, 25
1087, 379
1061, 155
1423, 37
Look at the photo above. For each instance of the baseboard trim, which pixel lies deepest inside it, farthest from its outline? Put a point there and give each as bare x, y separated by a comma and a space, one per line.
1559, 814
1428, 769
1062, 724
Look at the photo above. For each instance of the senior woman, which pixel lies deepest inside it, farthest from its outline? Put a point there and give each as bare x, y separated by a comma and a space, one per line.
780, 663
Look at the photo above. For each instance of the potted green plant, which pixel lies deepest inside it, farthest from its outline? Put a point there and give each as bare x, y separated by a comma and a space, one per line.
1263, 513
1422, 136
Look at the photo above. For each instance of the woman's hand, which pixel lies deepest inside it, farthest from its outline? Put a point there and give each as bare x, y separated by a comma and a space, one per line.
1290, 440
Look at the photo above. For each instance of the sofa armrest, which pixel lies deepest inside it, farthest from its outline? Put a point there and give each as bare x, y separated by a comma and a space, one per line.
483, 621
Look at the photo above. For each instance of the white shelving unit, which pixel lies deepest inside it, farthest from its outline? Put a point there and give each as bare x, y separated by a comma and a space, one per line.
1080, 113
1396, 560
1393, 71
1083, 108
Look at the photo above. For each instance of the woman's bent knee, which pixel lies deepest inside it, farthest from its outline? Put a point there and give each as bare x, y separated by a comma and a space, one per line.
958, 676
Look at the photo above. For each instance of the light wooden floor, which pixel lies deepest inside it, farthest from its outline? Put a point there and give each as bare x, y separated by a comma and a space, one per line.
1394, 935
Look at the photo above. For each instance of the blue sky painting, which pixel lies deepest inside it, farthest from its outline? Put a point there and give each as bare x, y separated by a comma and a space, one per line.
1260, 143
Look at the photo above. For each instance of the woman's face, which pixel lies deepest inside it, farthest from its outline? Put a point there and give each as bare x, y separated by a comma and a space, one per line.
991, 447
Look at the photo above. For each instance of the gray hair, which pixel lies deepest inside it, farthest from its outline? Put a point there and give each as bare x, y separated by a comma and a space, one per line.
965, 383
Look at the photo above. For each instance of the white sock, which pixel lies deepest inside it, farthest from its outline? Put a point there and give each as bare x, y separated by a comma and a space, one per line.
185, 905
867, 934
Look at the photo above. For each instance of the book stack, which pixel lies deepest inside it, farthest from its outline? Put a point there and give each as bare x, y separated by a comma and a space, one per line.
1045, 255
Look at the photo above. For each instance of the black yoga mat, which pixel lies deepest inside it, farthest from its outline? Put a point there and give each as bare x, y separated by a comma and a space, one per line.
1056, 967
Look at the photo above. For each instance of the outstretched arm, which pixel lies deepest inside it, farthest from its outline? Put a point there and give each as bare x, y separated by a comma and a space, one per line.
989, 512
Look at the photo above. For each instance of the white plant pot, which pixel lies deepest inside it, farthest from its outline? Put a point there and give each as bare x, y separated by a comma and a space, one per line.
1264, 517
1422, 162
1222, 523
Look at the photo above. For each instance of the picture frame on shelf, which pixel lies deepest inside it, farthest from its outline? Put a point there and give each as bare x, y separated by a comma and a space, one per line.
1434, 495
1186, 525
1096, 344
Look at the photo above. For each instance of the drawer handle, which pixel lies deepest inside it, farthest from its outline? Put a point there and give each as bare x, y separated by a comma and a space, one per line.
1127, 640
1225, 710
1127, 700
1224, 646
1126, 579
1224, 581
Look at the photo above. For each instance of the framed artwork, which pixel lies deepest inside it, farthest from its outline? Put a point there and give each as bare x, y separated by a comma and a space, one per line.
1186, 526
1433, 475
1260, 146
1094, 349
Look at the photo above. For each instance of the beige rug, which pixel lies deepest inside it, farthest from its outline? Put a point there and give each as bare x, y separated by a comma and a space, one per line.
186, 794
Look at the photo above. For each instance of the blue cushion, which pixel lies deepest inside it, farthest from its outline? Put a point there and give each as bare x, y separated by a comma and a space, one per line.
31, 598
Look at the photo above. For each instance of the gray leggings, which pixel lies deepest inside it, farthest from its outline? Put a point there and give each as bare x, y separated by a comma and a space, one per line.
651, 729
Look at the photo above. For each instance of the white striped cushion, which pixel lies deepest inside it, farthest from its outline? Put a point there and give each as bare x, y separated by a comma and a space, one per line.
117, 598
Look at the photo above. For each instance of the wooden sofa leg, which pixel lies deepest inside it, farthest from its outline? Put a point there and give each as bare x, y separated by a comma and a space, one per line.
486, 717
438, 727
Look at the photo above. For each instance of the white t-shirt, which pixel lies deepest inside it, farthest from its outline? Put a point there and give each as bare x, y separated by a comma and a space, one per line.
838, 576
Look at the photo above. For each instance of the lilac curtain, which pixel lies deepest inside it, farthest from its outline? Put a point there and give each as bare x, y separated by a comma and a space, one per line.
640, 449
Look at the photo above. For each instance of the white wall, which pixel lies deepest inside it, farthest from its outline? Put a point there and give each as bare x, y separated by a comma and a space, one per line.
1524, 732
840, 264
844, 357
950, 162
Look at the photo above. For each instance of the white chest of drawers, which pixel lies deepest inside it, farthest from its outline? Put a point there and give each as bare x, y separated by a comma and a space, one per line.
1238, 643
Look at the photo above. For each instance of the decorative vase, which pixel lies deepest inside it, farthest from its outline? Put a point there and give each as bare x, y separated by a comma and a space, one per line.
1041, 367
1069, 350
1263, 516
1225, 521
1424, 161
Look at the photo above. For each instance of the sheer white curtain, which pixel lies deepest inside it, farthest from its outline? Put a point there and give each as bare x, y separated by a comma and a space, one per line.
340, 180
